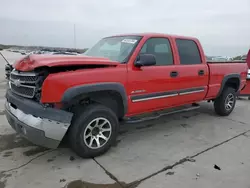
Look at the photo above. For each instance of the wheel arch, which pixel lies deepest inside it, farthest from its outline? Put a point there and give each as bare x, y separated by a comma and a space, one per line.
231, 80
103, 93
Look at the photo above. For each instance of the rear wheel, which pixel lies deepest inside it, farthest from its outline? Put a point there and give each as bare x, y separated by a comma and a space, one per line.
94, 130
225, 103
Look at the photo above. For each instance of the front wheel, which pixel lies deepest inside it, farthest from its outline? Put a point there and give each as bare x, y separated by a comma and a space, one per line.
225, 103
94, 130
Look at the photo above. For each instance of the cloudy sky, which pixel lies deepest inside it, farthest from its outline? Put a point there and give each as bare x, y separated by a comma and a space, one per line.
223, 26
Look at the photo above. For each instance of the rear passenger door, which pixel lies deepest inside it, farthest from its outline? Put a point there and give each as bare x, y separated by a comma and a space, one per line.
192, 70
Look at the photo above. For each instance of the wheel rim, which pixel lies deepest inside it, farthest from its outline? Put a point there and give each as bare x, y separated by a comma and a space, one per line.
229, 102
97, 133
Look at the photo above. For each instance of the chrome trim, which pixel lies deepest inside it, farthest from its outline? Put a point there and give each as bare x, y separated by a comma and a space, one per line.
177, 93
190, 92
52, 129
21, 85
23, 82
23, 95
23, 73
158, 97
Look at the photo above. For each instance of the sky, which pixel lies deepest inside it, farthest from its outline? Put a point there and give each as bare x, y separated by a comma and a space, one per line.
222, 26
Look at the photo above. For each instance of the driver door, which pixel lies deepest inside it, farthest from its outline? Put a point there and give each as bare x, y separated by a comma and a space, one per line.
152, 87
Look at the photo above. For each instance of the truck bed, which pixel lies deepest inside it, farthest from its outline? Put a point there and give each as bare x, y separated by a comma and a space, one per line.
214, 62
217, 72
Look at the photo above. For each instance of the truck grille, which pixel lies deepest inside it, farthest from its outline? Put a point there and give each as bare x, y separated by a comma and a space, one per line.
26, 79
23, 83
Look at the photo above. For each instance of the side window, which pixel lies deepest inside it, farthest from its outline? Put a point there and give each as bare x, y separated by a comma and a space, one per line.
188, 52
160, 47
144, 49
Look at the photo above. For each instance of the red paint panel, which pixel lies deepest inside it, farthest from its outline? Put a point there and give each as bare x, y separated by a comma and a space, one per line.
54, 86
246, 90
219, 70
146, 80
151, 80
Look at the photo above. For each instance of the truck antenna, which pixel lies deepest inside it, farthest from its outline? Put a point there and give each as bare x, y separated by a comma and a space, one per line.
75, 36
5, 59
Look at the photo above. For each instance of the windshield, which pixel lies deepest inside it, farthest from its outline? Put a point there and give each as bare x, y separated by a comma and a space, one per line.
116, 48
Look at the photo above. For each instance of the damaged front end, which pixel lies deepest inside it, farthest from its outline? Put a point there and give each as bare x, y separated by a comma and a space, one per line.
41, 125
30, 107
27, 84
8, 69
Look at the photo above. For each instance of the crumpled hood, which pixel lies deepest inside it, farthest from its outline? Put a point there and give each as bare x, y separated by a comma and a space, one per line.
31, 62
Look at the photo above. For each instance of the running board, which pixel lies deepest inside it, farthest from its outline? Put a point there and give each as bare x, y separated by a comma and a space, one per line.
156, 115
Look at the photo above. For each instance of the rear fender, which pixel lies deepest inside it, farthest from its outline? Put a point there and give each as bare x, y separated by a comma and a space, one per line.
225, 81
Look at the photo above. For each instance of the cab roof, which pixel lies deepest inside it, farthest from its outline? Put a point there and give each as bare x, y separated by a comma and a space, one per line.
156, 35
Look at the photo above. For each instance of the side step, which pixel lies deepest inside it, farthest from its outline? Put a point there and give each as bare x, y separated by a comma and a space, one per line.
158, 114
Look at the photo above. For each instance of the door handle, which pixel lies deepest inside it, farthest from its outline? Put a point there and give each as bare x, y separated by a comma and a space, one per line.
201, 72
174, 74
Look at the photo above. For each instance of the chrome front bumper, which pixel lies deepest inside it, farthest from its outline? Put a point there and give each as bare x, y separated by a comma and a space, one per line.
41, 130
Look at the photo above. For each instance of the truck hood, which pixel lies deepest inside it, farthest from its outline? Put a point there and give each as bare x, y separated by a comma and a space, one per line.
31, 62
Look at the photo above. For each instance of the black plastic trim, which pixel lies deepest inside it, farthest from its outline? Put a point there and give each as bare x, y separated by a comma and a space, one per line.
73, 92
31, 107
225, 79
244, 95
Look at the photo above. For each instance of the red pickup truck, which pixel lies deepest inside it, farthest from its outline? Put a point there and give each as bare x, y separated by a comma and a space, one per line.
121, 77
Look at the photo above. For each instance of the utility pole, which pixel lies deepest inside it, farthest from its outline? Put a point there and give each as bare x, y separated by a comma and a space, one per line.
75, 35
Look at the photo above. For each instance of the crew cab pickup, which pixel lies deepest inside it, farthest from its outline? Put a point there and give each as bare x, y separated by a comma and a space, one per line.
84, 98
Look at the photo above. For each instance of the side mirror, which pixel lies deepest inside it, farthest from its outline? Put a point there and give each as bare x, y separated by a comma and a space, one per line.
145, 60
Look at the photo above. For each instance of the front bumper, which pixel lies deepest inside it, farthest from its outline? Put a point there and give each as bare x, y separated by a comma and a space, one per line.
42, 126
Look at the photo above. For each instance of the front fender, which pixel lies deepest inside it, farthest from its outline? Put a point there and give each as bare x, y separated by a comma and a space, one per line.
75, 91
58, 87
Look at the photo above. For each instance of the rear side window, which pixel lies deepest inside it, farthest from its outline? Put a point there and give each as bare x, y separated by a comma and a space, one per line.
188, 52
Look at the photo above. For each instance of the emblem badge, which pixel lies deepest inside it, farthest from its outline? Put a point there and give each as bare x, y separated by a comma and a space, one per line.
17, 83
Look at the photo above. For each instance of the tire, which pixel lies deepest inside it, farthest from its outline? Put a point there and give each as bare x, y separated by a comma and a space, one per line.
221, 103
82, 131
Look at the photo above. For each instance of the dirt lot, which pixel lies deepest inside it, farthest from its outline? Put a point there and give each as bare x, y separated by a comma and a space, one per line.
194, 149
